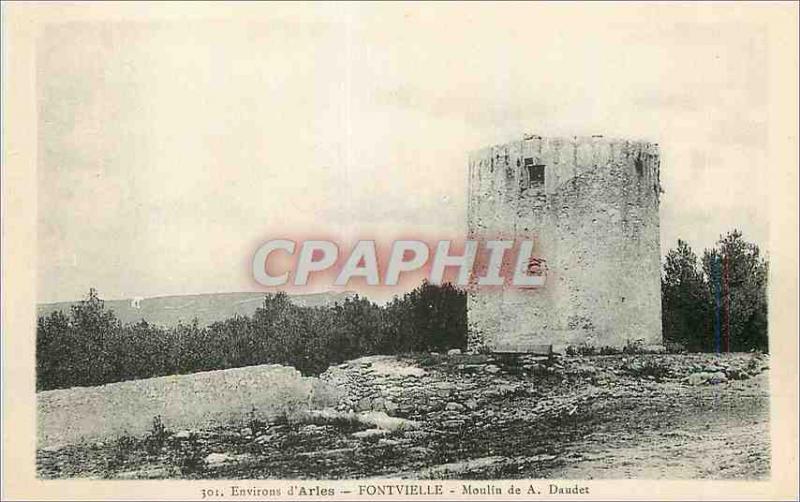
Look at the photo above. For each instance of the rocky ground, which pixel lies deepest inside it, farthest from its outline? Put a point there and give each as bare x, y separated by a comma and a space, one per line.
690, 416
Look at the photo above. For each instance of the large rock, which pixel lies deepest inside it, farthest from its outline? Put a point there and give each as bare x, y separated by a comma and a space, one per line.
391, 407
453, 406
182, 435
380, 420
364, 404
217, 458
717, 377
706, 377
379, 404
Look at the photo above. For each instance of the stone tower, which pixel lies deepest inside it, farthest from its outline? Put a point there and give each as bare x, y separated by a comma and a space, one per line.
591, 207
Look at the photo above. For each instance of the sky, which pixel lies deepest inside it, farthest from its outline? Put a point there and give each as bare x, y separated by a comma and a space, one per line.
170, 150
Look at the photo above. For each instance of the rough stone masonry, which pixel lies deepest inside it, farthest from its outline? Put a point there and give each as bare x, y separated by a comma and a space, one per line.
591, 207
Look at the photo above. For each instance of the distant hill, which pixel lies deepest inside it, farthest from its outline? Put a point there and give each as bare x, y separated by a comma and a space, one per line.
207, 308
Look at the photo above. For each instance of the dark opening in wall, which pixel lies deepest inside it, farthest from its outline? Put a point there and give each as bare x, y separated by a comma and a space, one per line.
532, 175
508, 185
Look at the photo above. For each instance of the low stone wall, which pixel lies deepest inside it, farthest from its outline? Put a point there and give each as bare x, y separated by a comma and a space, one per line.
204, 399
452, 390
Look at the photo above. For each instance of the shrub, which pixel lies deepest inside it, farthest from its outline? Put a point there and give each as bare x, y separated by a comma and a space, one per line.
590, 350
156, 437
254, 423
122, 451
188, 457
90, 346
754, 364
634, 347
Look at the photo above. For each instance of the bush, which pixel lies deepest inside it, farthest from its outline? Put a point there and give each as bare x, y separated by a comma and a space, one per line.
188, 457
634, 347
92, 347
157, 437
581, 350
255, 424
589, 350
121, 453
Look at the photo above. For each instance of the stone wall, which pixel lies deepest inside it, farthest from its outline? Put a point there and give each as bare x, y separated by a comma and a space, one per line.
594, 219
70, 416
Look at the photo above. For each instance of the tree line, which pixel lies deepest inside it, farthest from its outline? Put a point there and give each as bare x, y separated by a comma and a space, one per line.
90, 346
733, 274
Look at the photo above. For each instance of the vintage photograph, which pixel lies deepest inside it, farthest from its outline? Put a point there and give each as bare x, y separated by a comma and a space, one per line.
409, 242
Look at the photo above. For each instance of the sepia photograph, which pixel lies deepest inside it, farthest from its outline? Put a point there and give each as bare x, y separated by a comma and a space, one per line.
441, 251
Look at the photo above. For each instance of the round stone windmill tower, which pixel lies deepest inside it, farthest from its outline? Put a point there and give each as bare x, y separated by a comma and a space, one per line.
591, 207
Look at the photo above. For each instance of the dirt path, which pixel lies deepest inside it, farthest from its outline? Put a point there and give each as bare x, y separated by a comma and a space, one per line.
707, 433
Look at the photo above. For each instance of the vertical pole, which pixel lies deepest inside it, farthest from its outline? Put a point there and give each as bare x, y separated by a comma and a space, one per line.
726, 291
717, 287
